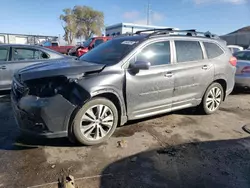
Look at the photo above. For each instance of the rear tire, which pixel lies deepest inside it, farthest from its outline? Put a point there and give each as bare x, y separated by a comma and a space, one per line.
95, 122
212, 98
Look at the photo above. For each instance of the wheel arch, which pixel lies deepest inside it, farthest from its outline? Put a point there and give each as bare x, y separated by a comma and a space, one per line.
223, 83
114, 97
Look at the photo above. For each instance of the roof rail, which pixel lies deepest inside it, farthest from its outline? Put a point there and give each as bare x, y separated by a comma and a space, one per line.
169, 31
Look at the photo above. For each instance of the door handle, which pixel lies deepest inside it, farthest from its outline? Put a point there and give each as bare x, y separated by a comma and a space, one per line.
168, 74
204, 67
3, 67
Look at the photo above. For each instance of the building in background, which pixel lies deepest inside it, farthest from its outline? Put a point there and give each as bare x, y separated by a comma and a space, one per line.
123, 28
240, 37
9, 38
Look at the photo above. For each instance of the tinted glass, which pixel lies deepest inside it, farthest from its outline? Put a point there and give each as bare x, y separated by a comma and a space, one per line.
157, 53
243, 55
26, 54
188, 51
234, 50
3, 54
212, 49
112, 51
98, 41
87, 42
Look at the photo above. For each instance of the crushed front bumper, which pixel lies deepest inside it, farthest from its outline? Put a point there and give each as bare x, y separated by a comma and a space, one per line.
46, 117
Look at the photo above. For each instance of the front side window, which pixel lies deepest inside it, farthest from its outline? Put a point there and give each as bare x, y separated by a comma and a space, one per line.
157, 53
40, 55
22, 54
188, 51
212, 49
4, 54
112, 51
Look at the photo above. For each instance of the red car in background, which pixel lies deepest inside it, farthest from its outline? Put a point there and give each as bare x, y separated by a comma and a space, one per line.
54, 45
88, 45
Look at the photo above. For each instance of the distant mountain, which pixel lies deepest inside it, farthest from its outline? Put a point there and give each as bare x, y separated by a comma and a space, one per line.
242, 30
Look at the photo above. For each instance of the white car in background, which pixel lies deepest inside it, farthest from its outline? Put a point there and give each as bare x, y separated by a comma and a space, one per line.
235, 48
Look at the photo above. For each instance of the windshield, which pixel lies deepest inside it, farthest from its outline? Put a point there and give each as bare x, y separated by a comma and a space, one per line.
87, 42
111, 52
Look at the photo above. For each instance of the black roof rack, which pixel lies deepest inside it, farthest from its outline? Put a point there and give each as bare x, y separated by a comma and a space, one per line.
169, 31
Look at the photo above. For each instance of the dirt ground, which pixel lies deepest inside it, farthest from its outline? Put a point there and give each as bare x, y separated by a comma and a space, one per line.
180, 149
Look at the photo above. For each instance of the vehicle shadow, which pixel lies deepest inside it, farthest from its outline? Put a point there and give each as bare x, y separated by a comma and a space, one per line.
223, 163
240, 91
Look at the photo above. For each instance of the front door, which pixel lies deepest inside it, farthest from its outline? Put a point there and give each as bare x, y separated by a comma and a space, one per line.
193, 73
149, 92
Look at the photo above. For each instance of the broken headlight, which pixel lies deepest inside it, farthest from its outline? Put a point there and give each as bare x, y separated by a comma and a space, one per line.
47, 87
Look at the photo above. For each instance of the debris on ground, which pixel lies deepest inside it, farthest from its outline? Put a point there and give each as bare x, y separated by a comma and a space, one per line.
66, 182
53, 166
246, 128
169, 151
133, 159
122, 144
169, 131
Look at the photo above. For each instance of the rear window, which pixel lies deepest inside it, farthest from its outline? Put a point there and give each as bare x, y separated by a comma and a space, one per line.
212, 49
188, 51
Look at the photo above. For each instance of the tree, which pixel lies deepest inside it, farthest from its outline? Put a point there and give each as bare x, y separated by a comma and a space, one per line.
69, 25
89, 21
81, 21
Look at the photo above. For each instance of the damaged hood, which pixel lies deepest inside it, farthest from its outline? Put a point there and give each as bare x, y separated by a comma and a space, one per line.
58, 68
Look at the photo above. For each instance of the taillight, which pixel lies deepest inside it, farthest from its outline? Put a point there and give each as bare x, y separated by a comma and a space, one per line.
233, 61
246, 70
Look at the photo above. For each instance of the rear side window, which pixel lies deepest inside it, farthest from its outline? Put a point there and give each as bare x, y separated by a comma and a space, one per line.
212, 49
28, 54
188, 51
3, 54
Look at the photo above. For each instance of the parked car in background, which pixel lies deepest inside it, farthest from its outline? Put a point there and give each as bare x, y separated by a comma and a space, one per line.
54, 45
15, 56
123, 79
242, 76
235, 48
88, 45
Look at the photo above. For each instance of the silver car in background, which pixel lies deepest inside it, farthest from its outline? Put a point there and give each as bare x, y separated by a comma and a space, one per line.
242, 76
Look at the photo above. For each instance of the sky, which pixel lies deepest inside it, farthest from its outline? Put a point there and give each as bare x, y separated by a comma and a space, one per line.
42, 16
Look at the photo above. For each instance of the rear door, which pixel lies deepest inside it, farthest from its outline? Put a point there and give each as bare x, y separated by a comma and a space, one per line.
193, 73
4, 59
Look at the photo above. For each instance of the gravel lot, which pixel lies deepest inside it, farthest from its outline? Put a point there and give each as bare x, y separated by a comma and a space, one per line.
181, 149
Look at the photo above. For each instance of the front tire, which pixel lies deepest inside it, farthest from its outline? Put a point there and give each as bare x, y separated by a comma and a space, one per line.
212, 99
95, 122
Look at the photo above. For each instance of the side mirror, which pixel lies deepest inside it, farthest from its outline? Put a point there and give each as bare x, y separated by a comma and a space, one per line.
141, 65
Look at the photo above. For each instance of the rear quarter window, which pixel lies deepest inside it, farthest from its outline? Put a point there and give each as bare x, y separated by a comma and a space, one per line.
213, 50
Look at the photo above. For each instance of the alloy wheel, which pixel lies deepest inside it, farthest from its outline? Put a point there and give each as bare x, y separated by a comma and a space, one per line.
96, 122
214, 99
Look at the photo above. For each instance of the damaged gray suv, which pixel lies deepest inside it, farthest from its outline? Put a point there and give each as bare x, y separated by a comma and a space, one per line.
126, 78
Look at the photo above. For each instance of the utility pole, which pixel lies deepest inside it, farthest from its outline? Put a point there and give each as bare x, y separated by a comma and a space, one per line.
148, 13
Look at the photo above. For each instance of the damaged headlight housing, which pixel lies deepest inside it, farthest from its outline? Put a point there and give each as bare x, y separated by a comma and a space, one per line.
47, 87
